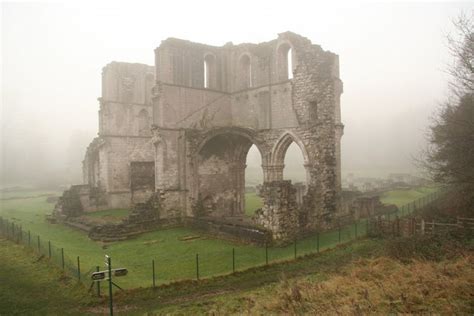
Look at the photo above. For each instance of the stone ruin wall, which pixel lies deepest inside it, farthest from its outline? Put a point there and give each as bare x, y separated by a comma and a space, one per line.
124, 138
205, 133
163, 130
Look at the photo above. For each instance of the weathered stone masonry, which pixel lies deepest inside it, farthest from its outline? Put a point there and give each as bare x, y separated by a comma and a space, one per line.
183, 130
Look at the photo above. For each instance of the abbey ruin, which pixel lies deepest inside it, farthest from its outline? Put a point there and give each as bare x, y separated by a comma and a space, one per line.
178, 133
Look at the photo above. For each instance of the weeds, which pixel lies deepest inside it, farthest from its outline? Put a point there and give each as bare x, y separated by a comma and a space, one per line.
381, 285
435, 247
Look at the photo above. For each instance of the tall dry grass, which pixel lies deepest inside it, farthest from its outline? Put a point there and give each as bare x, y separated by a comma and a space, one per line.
380, 286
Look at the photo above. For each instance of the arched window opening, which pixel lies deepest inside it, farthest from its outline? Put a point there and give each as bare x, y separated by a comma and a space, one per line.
143, 123
209, 71
289, 59
285, 64
206, 74
294, 165
253, 181
295, 171
246, 72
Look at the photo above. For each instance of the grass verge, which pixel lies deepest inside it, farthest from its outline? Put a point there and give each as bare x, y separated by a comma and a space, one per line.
30, 284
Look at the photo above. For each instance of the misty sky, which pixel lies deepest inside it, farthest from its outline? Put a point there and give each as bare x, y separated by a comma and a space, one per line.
392, 57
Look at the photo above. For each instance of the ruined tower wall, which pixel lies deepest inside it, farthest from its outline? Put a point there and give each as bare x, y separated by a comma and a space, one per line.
125, 118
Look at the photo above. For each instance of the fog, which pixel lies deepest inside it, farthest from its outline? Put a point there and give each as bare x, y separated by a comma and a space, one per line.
392, 57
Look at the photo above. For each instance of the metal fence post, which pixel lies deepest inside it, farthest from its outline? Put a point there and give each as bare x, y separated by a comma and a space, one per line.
111, 304
197, 266
317, 242
233, 260
97, 268
355, 229
398, 226
295, 248
79, 269
62, 257
266, 253
29, 238
153, 269
39, 244
339, 229
49, 248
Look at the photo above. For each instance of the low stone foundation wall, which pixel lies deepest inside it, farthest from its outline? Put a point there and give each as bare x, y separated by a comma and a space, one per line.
230, 229
125, 230
221, 228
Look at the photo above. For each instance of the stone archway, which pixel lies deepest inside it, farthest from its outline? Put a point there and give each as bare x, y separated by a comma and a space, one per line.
278, 156
220, 172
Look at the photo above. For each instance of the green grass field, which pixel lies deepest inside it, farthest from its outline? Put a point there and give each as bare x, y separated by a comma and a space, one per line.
32, 286
172, 249
252, 203
402, 197
114, 213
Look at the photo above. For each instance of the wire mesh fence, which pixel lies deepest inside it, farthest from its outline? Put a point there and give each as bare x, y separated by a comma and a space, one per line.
43, 248
194, 264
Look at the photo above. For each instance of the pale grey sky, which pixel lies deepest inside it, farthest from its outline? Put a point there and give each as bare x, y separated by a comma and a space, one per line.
392, 57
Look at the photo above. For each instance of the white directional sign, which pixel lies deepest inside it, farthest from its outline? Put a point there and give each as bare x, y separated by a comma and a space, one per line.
104, 275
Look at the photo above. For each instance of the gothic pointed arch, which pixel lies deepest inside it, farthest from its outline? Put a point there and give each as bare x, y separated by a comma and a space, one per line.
281, 146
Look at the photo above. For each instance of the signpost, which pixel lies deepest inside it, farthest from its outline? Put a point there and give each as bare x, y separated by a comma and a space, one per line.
111, 305
106, 275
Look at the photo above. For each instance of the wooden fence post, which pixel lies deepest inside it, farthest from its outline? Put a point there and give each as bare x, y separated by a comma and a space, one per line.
422, 226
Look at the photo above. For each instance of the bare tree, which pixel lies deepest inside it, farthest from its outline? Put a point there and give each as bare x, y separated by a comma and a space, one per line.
450, 154
461, 47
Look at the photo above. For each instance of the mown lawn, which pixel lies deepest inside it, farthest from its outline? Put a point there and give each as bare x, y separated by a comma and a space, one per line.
174, 250
115, 213
402, 197
252, 203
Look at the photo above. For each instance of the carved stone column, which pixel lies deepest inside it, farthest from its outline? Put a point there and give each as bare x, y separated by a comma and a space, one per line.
273, 172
